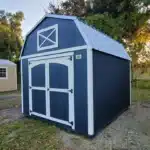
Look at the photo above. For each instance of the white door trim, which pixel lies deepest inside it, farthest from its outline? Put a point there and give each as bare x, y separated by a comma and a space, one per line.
51, 56
51, 118
61, 59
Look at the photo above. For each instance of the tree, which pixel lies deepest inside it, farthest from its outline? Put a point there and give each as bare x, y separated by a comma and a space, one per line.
10, 35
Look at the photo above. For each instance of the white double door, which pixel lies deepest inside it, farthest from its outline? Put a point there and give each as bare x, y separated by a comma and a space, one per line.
51, 89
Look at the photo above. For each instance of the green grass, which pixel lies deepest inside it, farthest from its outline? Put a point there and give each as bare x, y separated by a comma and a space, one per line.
9, 92
140, 95
5, 104
141, 84
28, 134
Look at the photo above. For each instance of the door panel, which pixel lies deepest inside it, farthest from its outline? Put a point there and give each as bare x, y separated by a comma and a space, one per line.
59, 105
51, 89
58, 76
39, 101
38, 75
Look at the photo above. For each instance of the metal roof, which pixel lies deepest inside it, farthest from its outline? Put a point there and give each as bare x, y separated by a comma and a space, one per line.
93, 38
6, 62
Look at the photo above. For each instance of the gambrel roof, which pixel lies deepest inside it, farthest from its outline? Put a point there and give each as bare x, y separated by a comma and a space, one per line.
93, 38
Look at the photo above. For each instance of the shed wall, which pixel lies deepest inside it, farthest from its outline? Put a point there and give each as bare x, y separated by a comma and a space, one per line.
80, 90
111, 87
9, 84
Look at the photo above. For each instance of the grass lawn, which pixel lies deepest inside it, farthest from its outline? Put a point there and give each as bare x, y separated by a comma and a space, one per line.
140, 95
28, 134
5, 104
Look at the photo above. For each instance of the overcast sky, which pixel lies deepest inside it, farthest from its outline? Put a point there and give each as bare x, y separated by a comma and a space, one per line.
32, 9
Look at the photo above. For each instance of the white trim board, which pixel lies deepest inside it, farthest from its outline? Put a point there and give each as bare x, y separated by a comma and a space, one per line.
22, 106
54, 30
51, 56
51, 118
63, 59
90, 92
56, 52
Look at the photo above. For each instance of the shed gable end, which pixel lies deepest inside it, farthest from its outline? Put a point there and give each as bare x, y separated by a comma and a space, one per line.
53, 34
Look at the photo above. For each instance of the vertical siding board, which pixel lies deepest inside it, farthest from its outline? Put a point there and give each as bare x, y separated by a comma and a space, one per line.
80, 78
25, 81
111, 88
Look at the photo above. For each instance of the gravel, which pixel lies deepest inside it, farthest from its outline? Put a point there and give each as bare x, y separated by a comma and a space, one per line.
131, 131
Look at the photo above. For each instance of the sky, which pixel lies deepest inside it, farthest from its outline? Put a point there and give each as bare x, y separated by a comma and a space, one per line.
32, 9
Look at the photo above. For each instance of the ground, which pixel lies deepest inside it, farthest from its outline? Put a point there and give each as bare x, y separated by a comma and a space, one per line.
130, 131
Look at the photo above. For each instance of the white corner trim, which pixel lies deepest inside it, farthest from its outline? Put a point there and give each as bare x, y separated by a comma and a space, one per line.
90, 92
4, 78
22, 106
56, 52
82, 32
54, 29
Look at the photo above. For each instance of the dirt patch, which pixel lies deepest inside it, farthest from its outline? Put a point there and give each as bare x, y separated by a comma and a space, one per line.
130, 131
8, 115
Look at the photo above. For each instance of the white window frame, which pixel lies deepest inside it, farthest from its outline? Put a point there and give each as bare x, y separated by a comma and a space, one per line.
55, 27
4, 78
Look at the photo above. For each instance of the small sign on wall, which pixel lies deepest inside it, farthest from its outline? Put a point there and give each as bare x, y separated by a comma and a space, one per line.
79, 56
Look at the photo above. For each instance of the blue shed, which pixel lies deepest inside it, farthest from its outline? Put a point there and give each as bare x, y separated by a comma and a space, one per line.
73, 75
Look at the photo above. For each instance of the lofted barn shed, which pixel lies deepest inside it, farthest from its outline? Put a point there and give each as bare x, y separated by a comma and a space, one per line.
73, 75
8, 76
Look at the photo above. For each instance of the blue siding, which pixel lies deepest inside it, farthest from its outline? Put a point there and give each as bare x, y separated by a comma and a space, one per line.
36, 75
39, 101
58, 76
111, 87
80, 93
25, 86
59, 105
68, 36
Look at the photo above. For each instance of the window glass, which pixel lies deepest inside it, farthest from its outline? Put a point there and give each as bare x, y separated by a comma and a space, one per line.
2, 72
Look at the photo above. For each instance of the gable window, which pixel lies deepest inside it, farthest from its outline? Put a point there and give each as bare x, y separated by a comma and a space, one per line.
3, 73
47, 38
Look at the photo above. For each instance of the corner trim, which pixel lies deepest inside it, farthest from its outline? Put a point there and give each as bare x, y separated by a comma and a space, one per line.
90, 92
22, 106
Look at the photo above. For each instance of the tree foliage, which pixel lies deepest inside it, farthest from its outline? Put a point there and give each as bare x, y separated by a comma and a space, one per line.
10, 34
124, 20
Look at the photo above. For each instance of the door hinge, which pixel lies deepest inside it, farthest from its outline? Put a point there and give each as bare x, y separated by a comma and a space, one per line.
71, 123
71, 90
70, 58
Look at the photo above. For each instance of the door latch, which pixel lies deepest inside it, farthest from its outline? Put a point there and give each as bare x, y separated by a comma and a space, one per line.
71, 90
70, 58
